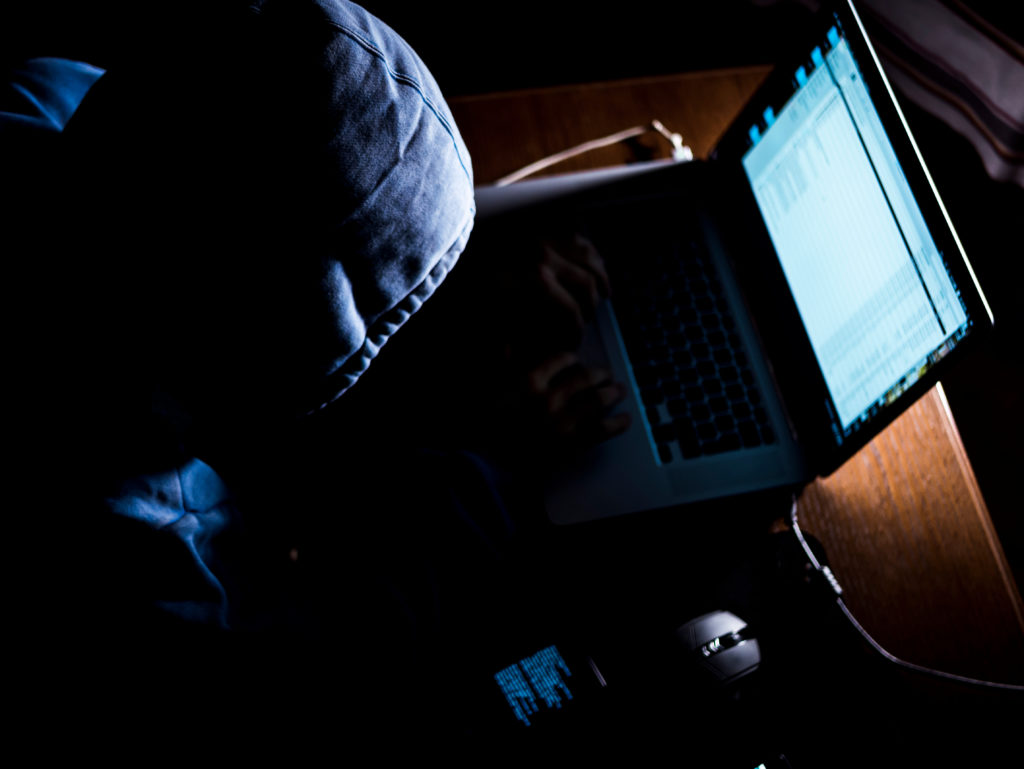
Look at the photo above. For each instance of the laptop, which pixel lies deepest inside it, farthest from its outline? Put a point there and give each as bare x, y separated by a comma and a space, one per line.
775, 306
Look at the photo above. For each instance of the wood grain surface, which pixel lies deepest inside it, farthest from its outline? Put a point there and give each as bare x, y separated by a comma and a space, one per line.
910, 539
507, 131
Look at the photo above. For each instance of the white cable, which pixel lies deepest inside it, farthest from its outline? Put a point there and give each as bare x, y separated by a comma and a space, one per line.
680, 152
834, 583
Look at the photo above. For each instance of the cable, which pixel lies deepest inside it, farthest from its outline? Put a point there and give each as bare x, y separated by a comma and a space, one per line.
680, 151
826, 572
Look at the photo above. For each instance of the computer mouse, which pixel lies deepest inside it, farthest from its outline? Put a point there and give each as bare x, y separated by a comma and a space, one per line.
722, 644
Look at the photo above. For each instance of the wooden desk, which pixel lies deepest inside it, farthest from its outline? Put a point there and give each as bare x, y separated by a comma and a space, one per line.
904, 523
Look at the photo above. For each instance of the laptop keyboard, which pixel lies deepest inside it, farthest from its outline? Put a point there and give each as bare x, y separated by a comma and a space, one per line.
699, 393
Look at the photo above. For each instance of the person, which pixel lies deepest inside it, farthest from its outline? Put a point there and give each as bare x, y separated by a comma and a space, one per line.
243, 214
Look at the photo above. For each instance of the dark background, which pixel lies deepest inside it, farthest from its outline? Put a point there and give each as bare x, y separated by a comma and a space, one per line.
480, 47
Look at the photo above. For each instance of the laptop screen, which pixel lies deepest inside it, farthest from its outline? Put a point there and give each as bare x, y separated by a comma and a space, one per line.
871, 287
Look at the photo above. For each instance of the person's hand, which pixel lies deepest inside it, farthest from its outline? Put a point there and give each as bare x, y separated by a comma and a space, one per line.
569, 405
574, 279
554, 296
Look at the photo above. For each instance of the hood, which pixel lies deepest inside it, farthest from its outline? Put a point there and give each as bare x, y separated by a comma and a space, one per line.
258, 203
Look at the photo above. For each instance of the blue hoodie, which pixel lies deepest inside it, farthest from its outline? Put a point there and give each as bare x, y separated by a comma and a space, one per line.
249, 208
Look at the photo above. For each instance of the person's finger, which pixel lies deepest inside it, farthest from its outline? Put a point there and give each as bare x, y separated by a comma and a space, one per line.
585, 419
573, 272
539, 378
590, 404
561, 295
585, 253
579, 250
573, 401
577, 388
607, 428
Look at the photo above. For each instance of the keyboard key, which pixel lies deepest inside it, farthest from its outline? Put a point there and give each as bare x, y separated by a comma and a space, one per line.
730, 441
687, 376
690, 364
683, 359
678, 407
749, 434
723, 356
707, 368
719, 404
664, 434
706, 431
736, 393
686, 433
